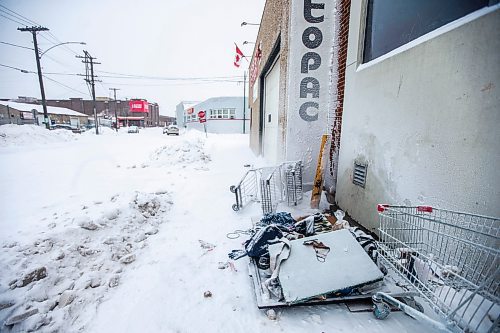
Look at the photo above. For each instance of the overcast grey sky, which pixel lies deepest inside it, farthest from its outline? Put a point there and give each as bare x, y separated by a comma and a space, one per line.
160, 38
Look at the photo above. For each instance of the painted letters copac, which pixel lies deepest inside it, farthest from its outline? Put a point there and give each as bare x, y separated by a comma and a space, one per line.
312, 37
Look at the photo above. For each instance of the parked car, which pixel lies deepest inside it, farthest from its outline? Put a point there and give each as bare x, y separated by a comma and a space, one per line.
133, 129
171, 129
66, 127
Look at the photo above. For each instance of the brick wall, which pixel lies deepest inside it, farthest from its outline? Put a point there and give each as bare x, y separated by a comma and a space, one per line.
343, 8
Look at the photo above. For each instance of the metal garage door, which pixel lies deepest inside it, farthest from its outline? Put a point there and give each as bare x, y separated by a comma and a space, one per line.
271, 105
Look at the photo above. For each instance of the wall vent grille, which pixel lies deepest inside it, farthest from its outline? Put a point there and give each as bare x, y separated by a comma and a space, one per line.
359, 175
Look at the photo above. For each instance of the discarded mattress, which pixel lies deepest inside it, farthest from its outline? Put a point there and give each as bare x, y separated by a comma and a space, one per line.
326, 263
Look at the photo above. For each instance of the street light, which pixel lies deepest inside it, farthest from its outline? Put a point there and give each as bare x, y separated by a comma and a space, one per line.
38, 56
40, 76
247, 42
246, 23
50, 48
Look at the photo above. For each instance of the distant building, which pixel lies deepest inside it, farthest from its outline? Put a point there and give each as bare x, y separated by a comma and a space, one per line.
180, 111
167, 120
24, 113
223, 115
147, 115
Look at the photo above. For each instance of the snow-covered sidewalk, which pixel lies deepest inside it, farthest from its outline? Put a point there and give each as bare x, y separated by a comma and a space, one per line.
111, 227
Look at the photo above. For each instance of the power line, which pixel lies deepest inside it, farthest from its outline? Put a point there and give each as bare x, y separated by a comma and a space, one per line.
8, 18
66, 74
19, 15
62, 84
146, 77
101, 84
45, 76
16, 17
32, 72
176, 79
131, 84
48, 40
171, 84
64, 46
15, 45
19, 69
28, 21
208, 79
70, 67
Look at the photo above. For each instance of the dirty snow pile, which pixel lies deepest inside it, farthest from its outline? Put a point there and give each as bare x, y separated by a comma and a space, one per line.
190, 151
15, 135
71, 267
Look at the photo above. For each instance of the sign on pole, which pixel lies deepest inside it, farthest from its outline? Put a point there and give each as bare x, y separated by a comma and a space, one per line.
201, 116
203, 120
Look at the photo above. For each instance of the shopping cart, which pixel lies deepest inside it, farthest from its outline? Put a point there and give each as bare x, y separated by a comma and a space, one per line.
292, 175
450, 258
269, 186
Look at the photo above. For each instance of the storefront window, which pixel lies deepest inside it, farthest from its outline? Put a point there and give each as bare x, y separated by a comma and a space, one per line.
390, 24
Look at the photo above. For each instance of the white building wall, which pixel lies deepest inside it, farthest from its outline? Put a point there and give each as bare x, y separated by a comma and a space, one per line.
425, 119
179, 114
222, 125
305, 124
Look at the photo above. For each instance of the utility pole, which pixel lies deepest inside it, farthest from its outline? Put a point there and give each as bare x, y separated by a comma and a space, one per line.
33, 31
90, 79
116, 116
8, 114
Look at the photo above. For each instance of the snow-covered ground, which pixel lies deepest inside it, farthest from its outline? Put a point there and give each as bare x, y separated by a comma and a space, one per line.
102, 234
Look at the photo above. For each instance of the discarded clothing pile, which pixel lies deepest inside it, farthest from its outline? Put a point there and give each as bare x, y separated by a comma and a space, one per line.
282, 220
290, 252
275, 226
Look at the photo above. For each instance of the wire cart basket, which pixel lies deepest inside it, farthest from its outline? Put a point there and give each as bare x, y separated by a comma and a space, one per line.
269, 186
451, 259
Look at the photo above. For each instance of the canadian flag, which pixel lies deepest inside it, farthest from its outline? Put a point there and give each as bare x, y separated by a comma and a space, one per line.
238, 57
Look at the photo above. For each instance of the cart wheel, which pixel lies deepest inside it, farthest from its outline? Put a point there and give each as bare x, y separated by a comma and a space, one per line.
236, 208
232, 189
381, 310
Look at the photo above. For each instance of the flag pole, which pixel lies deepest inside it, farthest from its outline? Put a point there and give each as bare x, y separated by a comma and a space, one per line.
239, 55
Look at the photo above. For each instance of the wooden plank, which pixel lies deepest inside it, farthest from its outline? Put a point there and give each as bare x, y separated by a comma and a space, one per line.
318, 179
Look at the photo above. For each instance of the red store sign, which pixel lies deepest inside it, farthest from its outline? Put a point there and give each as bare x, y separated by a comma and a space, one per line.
138, 105
254, 66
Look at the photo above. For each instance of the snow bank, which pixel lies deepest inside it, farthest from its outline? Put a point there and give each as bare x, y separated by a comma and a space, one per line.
191, 150
102, 131
73, 265
19, 135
